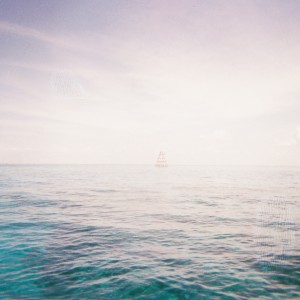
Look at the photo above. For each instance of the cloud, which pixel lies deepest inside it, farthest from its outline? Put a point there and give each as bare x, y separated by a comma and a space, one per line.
294, 139
12, 28
32, 33
191, 75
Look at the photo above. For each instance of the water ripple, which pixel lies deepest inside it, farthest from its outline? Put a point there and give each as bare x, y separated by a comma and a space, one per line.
79, 232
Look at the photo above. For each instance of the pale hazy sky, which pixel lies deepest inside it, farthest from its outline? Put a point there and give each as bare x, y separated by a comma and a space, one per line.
209, 82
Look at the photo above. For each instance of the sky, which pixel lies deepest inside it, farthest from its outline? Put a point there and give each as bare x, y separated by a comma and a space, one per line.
208, 82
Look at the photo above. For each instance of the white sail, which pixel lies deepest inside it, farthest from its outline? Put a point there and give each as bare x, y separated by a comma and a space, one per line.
161, 160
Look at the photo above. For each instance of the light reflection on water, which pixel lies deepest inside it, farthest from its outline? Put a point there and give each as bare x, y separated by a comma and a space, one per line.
137, 232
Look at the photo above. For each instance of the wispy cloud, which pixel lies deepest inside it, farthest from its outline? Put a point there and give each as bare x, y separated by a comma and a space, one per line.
54, 40
193, 75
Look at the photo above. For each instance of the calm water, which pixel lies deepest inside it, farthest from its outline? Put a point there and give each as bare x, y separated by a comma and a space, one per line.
137, 232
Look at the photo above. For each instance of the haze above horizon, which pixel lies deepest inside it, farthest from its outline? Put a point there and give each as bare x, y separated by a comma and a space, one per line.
92, 82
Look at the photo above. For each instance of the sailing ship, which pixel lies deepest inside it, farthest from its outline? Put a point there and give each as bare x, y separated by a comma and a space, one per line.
161, 160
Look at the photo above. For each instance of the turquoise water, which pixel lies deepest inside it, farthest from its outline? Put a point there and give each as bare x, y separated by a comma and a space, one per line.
137, 232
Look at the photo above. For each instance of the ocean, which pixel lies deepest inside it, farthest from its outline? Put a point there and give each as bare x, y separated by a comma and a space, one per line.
140, 232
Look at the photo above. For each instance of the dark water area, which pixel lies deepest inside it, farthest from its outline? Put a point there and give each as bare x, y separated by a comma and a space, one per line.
140, 232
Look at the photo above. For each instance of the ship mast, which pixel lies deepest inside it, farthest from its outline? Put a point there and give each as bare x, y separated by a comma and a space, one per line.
161, 160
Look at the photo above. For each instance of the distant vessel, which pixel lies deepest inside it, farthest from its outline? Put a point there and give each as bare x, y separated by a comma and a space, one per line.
161, 160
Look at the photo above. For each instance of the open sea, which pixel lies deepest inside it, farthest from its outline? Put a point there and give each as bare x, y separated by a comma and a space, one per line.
140, 232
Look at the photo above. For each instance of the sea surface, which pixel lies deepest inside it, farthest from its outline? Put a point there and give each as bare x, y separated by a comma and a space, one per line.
140, 232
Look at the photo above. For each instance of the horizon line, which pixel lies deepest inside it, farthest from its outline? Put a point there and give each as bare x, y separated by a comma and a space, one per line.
143, 164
